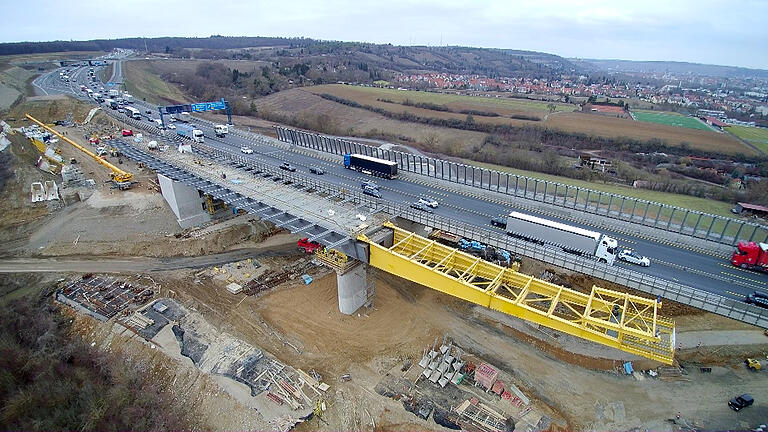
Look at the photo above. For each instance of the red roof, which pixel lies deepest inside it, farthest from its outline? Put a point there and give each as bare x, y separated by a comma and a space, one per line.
715, 121
754, 207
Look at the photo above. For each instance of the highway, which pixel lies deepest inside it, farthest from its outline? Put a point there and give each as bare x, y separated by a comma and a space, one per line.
712, 273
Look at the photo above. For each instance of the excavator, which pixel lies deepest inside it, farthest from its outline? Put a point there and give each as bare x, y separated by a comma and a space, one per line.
122, 179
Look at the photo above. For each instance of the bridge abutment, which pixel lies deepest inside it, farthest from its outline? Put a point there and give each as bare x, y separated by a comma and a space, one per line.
186, 202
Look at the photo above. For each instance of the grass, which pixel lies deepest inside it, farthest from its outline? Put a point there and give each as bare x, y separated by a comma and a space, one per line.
669, 119
758, 137
143, 82
369, 94
684, 201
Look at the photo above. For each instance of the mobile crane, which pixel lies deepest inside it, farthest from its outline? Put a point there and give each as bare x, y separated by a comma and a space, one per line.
122, 179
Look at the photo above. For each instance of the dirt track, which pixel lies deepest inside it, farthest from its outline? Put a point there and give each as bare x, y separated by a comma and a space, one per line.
107, 264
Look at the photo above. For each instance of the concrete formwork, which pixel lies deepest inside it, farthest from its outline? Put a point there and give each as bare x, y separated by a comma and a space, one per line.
352, 288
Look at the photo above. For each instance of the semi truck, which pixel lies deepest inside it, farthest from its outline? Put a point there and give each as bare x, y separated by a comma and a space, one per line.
751, 255
221, 130
571, 239
370, 165
188, 131
134, 113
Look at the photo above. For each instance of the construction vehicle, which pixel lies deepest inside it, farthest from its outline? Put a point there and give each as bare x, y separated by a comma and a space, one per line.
221, 130
751, 256
753, 364
445, 237
121, 179
571, 239
370, 165
307, 246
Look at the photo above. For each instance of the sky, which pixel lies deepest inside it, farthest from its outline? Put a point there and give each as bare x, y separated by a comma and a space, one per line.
720, 32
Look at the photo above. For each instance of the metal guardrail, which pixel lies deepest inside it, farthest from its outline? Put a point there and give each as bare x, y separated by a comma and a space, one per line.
673, 219
685, 294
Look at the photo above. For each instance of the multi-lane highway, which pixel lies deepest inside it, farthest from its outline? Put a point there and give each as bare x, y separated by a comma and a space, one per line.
710, 272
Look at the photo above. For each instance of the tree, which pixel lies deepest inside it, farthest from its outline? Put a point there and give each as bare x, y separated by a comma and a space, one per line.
551, 107
235, 75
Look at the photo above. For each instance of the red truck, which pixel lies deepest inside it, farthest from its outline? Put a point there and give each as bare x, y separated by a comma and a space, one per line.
753, 256
307, 246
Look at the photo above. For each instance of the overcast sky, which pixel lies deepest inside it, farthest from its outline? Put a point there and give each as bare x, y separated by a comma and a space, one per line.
721, 32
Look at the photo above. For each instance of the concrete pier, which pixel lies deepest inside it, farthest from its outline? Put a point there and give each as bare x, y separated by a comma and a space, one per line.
186, 202
352, 288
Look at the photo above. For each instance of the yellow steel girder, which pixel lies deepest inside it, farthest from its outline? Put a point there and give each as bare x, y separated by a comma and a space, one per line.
619, 320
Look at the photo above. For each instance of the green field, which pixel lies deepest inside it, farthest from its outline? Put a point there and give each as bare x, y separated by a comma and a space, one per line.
758, 137
669, 119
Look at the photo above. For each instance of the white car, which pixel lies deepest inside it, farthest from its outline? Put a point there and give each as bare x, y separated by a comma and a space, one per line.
429, 202
246, 150
171, 126
634, 258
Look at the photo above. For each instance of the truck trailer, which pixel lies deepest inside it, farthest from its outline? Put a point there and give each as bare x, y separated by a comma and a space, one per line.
370, 165
571, 239
751, 255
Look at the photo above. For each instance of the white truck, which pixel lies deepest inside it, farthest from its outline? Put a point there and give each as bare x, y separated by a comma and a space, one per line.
133, 112
569, 238
185, 117
221, 130
114, 93
128, 98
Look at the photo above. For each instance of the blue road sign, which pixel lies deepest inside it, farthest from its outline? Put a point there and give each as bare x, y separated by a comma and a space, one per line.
208, 106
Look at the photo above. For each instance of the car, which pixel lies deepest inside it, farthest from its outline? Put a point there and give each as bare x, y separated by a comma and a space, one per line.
634, 258
419, 206
499, 222
740, 402
127, 132
369, 184
316, 170
288, 167
171, 126
246, 150
429, 202
148, 111
372, 192
93, 140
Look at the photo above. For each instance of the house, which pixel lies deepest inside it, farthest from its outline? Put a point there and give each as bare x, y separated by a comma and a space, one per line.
747, 208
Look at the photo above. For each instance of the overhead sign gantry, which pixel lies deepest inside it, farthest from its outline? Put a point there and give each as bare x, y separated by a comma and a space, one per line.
196, 108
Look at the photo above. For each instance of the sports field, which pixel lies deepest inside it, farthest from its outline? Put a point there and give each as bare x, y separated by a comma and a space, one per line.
669, 119
758, 137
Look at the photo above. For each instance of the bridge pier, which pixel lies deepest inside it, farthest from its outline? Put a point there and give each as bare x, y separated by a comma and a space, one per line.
352, 285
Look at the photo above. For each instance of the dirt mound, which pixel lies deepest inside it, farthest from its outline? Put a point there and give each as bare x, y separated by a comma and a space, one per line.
48, 109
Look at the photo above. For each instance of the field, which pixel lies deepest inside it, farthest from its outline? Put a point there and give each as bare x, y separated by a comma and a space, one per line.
563, 119
670, 119
598, 125
501, 105
758, 137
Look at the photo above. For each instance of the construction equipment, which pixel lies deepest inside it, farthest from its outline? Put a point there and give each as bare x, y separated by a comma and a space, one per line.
122, 179
753, 364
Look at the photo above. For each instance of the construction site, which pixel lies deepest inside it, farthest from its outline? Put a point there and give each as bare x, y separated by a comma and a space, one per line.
249, 323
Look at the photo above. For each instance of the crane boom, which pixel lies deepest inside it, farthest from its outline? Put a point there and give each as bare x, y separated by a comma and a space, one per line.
118, 176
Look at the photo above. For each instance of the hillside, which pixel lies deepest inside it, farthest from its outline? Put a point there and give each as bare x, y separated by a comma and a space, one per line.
406, 59
660, 67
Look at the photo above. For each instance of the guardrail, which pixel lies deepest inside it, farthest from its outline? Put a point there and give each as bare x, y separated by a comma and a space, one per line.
685, 294
651, 214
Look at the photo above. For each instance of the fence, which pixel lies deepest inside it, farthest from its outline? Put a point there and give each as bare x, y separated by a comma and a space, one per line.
672, 219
